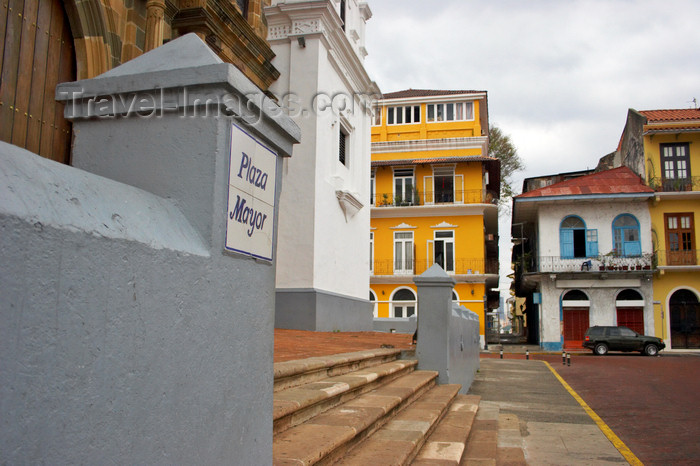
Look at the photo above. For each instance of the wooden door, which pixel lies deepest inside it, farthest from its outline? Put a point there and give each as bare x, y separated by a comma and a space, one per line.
37, 53
632, 318
576, 322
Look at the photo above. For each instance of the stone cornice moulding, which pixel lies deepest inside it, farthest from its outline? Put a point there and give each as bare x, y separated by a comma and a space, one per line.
287, 21
444, 225
476, 142
403, 226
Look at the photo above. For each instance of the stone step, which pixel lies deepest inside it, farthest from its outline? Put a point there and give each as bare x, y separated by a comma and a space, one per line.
325, 438
495, 439
447, 443
400, 439
302, 371
295, 405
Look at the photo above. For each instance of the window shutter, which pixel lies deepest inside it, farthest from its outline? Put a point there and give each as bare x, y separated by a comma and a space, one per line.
566, 243
591, 243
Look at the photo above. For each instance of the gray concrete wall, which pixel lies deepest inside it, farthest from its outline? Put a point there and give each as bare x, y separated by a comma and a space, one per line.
398, 325
129, 335
448, 335
321, 311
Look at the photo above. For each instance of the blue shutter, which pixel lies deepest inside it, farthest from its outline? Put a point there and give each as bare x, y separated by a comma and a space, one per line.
566, 243
632, 248
592, 245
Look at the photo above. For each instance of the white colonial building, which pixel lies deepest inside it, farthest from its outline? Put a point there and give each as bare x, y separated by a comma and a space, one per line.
583, 256
323, 251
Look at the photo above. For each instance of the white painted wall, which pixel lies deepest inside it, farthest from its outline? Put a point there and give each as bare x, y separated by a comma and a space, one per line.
598, 214
318, 246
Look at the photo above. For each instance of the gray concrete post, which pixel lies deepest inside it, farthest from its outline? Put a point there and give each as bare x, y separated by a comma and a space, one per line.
137, 288
434, 316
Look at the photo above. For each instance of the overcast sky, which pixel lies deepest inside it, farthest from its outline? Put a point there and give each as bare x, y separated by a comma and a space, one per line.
560, 74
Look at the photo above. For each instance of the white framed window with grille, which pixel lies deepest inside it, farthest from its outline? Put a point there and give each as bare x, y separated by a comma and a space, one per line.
403, 115
450, 111
403, 253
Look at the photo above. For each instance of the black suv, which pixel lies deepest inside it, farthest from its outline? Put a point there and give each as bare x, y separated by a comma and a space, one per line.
601, 339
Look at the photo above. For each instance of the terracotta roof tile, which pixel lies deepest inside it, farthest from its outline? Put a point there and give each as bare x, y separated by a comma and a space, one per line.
663, 116
425, 93
619, 180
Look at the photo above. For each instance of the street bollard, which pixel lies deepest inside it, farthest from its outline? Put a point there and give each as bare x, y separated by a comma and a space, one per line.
501, 353
527, 354
563, 358
568, 359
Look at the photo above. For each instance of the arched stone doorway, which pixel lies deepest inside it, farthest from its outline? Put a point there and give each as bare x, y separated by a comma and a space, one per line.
629, 305
684, 310
575, 313
37, 53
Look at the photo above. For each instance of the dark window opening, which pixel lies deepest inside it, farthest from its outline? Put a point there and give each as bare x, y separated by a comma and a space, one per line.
342, 13
342, 147
579, 243
243, 5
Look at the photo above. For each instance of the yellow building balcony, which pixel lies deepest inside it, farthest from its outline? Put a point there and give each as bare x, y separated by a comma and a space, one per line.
418, 198
678, 259
417, 267
691, 183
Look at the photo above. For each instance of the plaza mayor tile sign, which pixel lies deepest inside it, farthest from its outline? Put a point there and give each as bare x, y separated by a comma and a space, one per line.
251, 196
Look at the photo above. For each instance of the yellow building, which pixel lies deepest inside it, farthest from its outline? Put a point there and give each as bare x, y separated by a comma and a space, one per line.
663, 146
434, 195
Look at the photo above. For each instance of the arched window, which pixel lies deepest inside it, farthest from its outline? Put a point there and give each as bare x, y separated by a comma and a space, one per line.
455, 298
404, 303
373, 300
575, 240
626, 236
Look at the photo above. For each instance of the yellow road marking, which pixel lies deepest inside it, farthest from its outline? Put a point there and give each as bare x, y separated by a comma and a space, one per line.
619, 444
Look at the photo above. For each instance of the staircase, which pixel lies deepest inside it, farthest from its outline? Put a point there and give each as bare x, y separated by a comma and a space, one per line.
370, 407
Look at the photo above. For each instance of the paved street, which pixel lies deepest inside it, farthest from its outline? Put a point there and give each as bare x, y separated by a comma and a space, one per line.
652, 404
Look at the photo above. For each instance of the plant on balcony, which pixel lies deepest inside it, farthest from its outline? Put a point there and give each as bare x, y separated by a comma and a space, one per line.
398, 200
385, 199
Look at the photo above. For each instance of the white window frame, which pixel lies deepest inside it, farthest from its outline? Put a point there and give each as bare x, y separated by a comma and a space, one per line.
445, 241
396, 115
403, 265
444, 108
403, 304
371, 253
404, 177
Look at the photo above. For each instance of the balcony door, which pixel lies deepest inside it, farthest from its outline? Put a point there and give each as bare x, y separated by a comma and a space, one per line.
680, 239
444, 250
403, 186
675, 159
443, 181
403, 253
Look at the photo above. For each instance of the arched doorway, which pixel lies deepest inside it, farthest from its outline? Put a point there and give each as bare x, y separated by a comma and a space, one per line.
630, 310
684, 310
37, 54
575, 310
403, 303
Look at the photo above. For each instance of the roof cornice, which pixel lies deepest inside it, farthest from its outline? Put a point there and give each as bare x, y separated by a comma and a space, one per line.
433, 99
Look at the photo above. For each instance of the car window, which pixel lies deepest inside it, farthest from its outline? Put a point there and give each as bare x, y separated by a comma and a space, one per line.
595, 331
613, 332
625, 332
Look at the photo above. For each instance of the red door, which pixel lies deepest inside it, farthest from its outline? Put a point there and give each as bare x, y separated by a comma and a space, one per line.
575, 325
631, 317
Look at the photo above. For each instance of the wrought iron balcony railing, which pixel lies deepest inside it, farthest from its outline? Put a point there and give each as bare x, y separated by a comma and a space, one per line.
417, 267
678, 258
556, 264
691, 183
417, 198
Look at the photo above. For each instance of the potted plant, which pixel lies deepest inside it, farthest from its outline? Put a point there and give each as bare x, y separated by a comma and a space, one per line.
385, 199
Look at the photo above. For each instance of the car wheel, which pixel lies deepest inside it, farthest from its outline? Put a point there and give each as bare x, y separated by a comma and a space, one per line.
651, 350
601, 349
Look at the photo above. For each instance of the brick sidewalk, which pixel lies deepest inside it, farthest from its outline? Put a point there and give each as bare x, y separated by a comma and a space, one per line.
300, 344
